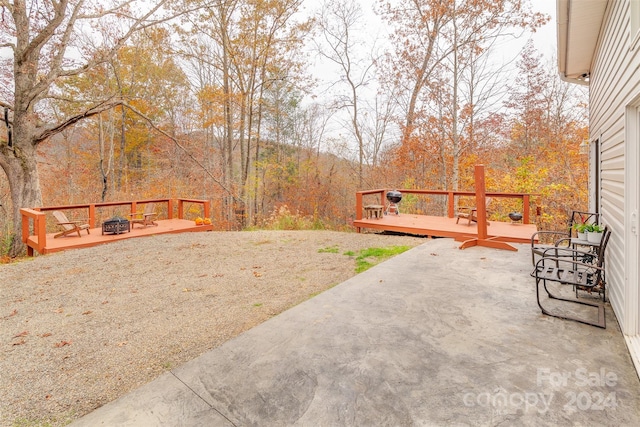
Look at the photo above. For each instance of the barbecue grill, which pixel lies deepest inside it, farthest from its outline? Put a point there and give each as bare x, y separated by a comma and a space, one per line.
393, 197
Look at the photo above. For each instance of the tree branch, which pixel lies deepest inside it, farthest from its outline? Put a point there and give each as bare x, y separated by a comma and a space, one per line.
96, 109
177, 143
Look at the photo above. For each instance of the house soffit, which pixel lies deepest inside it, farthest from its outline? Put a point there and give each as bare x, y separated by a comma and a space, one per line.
579, 23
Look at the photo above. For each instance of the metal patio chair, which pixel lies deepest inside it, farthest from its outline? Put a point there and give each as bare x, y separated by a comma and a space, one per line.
566, 266
543, 240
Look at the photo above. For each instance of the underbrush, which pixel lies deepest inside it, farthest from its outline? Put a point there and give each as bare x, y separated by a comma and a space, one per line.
283, 219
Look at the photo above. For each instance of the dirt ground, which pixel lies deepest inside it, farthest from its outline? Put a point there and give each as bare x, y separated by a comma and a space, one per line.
81, 328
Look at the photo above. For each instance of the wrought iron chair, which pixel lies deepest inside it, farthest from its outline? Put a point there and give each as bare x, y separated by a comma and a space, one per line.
566, 266
543, 240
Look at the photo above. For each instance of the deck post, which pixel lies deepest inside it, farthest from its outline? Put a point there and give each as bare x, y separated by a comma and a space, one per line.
92, 215
481, 202
170, 209
450, 204
39, 229
525, 209
358, 208
483, 239
207, 208
180, 209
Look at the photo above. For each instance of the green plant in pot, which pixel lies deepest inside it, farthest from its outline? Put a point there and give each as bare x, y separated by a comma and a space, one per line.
594, 233
582, 230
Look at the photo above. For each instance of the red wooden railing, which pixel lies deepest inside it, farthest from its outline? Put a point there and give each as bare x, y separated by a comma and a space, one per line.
451, 197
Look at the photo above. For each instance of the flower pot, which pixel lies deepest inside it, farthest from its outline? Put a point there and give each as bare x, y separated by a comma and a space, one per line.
594, 236
582, 235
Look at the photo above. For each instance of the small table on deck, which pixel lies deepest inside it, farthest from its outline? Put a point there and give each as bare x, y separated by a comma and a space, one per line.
373, 211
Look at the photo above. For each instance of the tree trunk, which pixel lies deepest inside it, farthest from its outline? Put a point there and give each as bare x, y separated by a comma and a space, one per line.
21, 169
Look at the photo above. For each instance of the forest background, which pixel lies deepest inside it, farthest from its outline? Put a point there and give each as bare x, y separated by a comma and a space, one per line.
278, 111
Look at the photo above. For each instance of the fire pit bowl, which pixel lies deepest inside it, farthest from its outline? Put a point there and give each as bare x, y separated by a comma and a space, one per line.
515, 216
394, 196
116, 225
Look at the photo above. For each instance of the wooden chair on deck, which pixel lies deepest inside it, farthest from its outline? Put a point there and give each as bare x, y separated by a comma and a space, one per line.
470, 213
69, 227
144, 218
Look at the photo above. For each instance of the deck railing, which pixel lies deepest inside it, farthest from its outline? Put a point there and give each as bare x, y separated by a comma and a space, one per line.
451, 198
36, 217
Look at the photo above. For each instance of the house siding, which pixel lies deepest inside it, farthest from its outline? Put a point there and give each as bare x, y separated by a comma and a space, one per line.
614, 83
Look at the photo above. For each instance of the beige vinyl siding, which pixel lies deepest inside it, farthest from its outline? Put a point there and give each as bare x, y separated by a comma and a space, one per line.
609, 94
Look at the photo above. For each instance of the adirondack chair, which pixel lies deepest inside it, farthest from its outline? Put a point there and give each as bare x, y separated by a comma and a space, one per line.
69, 227
470, 213
144, 218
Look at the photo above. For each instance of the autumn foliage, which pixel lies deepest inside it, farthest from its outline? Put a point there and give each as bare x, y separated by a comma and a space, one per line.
219, 103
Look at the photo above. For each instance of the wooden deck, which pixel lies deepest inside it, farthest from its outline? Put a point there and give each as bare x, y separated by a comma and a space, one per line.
438, 226
36, 238
96, 237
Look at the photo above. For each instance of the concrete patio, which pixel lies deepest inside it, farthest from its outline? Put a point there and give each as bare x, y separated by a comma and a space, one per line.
435, 336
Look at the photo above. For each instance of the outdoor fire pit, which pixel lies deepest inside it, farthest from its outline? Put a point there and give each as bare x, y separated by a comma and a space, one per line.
116, 225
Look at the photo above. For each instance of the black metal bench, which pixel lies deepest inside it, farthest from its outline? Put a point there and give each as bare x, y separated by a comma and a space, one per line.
567, 266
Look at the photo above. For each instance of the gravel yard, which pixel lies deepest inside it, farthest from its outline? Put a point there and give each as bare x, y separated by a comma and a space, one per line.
83, 327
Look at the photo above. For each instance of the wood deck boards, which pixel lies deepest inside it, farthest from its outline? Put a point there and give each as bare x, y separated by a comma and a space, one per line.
446, 227
96, 237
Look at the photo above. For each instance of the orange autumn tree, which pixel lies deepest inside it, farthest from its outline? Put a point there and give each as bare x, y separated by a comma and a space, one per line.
446, 87
548, 122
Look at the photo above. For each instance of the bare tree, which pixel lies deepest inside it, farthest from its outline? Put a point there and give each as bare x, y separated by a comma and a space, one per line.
339, 21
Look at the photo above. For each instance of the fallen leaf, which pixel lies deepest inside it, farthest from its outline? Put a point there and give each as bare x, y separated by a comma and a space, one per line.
62, 344
13, 313
59, 310
433, 254
105, 302
256, 274
46, 334
88, 312
22, 334
123, 343
186, 290
19, 342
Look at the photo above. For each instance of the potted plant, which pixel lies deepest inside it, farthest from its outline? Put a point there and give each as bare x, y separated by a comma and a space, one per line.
594, 233
581, 229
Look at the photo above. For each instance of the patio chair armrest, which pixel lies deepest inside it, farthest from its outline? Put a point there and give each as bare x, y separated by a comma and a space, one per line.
566, 241
73, 222
563, 260
559, 236
566, 252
